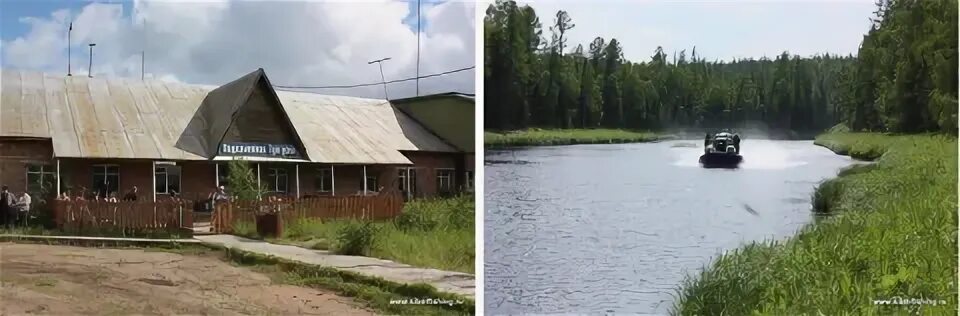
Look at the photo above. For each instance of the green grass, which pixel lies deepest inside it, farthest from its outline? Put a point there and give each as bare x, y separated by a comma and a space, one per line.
548, 137
890, 231
434, 233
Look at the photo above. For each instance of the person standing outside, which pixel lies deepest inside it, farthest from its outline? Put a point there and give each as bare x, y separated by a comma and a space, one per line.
131, 195
23, 206
7, 201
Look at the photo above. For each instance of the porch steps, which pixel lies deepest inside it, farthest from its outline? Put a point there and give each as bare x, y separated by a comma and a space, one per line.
202, 228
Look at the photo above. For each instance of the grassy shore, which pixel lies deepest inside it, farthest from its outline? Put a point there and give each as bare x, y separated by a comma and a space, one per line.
548, 137
890, 232
436, 233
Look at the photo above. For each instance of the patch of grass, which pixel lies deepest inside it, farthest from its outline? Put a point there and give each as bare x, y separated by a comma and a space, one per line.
356, 238
246, 229
46, 281
376, 293
433, 233
548, 137
892, 233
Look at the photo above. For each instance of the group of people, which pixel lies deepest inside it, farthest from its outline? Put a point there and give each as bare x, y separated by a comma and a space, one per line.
111, 197
13, 208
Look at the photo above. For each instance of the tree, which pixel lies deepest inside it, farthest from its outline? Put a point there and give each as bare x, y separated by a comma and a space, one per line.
243, 181
902, 79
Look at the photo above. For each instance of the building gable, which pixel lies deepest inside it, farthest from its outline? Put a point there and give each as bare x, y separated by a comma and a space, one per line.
242, 118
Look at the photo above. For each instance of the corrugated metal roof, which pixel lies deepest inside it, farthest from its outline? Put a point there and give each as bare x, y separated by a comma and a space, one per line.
123, 118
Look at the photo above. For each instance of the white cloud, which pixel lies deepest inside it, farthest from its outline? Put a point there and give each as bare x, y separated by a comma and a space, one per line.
297, 43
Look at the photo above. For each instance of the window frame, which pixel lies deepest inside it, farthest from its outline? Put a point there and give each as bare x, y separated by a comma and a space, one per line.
105, 168
43, 173
468, 176
450, 174
166, 179
275, 173
321, 180
372, 180
407, 178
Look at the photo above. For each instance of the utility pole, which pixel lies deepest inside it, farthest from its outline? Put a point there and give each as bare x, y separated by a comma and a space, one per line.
143, 50
90, 67
382, 79
69, 30
418, 48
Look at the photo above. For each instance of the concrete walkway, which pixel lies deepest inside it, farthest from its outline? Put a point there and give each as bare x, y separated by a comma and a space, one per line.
445, 281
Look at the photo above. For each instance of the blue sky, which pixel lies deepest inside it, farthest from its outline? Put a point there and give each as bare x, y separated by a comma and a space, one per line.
719, 29
13, 10
212, 42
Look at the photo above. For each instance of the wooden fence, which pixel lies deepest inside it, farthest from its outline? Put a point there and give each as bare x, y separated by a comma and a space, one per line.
123, 216
371, 207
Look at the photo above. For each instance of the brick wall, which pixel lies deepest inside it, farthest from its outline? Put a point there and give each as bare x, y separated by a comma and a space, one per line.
198, 177
16, 154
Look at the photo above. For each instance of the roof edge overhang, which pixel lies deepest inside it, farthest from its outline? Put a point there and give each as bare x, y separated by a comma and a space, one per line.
451, 95
428, 129
24, 138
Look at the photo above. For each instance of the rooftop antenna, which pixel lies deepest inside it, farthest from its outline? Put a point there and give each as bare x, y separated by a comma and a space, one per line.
418, 47
69, 30
143, 49
90, 67
384, 81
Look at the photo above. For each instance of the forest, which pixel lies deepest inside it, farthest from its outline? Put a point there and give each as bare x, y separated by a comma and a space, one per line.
903, 79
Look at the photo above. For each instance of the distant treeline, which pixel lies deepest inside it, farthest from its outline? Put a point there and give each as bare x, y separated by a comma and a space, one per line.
904, 78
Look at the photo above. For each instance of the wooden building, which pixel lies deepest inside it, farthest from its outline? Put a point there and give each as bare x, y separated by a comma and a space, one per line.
104, 135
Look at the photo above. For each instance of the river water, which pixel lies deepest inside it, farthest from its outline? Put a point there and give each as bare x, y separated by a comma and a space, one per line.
615, 228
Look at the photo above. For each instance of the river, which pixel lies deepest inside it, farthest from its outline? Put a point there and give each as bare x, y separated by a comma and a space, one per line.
616, 228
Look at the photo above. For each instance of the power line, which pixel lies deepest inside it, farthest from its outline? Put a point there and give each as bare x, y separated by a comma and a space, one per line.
376, 83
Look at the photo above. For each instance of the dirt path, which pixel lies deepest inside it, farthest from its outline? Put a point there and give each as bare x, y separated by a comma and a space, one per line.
61, 280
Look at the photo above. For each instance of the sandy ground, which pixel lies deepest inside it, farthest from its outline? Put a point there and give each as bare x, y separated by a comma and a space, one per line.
61, 280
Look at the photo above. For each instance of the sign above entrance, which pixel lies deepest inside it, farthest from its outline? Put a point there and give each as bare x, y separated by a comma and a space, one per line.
257, 149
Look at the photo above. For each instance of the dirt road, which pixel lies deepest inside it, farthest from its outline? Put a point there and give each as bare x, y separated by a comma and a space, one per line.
61, 280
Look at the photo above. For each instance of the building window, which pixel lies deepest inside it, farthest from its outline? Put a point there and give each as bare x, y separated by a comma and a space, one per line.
40, 177
372, 184
223, 175
276, 180
444, 180
469, 177
106, 180
168, 179
324, 181
407, 181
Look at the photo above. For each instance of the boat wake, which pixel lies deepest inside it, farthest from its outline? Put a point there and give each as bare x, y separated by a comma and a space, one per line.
757, 154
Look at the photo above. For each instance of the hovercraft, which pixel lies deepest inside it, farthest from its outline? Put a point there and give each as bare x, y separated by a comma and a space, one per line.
721, 150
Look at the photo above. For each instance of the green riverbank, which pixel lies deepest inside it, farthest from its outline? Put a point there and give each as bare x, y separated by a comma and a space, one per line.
552, 137
891, 232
